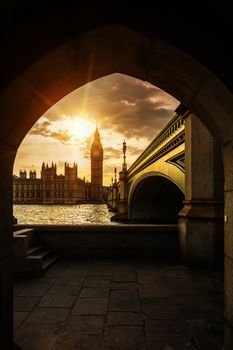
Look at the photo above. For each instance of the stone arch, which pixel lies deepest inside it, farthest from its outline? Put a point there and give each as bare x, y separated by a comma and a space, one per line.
109, 50
155, 198
91, 56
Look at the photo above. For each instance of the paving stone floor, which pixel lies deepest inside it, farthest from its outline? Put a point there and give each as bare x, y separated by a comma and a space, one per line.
119, 305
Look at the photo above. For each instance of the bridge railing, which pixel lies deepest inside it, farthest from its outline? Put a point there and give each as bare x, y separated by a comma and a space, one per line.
171, 128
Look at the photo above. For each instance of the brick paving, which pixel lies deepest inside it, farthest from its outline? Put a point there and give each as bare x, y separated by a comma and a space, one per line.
119, 305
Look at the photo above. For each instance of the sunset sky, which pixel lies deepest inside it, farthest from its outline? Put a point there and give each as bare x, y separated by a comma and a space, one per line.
125, 108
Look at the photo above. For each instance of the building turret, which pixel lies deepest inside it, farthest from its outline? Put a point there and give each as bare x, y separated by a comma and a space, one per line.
71, 172
23, 174
48, 172
32, 174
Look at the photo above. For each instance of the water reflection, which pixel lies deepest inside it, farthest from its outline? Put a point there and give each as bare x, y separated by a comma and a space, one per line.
62, 214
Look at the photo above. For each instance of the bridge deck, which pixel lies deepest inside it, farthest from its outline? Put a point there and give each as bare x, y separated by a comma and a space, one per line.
119, 304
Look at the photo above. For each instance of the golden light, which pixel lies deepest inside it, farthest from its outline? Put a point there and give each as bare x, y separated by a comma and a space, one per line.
81, 128
78, 127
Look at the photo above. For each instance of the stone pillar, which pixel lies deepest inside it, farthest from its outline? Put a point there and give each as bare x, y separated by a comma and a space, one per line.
109, 203
114, 197
7, 156
201, 219
227, 151
123, 205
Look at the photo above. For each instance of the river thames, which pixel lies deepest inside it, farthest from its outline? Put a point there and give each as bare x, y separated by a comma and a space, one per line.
62, 214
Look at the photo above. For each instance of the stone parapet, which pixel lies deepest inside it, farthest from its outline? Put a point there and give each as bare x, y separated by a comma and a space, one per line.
109, 240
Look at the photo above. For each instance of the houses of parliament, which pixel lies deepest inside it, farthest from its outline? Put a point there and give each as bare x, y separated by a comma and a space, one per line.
67, 188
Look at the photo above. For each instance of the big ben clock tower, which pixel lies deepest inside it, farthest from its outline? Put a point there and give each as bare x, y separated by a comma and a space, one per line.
96, 168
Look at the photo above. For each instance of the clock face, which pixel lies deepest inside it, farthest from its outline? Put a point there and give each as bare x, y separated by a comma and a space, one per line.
96, 153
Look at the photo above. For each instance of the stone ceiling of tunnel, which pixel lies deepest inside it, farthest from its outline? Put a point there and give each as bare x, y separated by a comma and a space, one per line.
29, 30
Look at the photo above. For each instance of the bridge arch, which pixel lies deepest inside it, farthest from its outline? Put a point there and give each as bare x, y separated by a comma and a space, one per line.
155, 197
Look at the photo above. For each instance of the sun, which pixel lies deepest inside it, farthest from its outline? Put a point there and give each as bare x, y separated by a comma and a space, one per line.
80, 128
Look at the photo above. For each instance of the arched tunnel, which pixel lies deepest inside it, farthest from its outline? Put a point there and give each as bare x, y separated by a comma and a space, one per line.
156, 199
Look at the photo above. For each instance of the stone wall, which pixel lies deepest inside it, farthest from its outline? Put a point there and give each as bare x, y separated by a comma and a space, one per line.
155, 241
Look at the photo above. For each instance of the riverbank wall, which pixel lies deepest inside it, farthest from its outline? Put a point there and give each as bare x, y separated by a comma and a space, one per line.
122, 240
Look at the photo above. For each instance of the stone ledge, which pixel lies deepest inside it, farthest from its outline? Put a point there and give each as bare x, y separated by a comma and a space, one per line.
102, 227
109, 240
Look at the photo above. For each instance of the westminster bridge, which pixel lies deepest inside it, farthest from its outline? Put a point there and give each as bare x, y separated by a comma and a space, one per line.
177, 179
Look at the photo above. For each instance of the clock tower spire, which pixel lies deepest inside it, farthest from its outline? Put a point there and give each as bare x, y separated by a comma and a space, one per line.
96, 167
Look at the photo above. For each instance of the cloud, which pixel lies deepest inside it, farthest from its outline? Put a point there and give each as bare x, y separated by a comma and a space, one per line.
134, 151
44, 129
124, 107
121, 103
85, 147
112, 153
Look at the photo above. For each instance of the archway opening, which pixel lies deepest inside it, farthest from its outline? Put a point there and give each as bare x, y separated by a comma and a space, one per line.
156, 199
56, 163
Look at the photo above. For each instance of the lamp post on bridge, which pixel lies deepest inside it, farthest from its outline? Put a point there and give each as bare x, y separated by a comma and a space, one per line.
115, 175
123, 204
124, 165
114, 192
